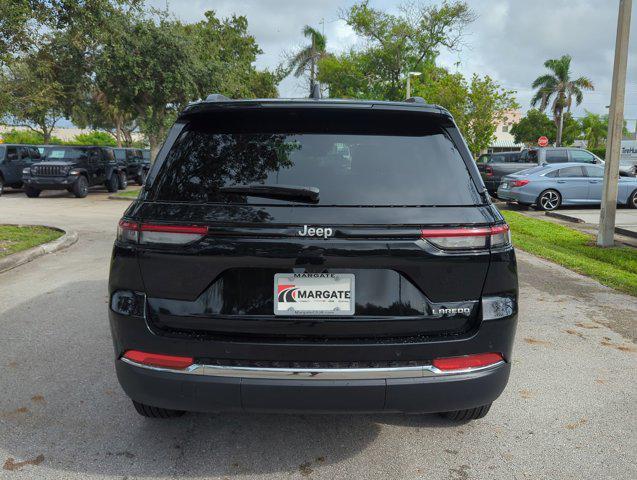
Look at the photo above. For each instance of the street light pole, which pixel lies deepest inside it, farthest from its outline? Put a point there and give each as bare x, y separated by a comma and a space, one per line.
409, 74
606, 234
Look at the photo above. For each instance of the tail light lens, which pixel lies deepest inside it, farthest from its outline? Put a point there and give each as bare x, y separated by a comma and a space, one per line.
465, 238
519, 183
488, 171
147, 233
465, 362
159, 360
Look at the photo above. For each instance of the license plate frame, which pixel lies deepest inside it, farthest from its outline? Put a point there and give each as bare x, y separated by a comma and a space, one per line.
295, 294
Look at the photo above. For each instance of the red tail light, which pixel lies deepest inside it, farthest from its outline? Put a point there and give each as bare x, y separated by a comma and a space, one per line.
519, 183
467, 361
464, 238
132, 232
159, 360
488, 171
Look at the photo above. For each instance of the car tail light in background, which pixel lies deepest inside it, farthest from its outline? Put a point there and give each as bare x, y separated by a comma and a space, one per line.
159, 360
488, 171
519, 183
148, 233
465, 362
463, 238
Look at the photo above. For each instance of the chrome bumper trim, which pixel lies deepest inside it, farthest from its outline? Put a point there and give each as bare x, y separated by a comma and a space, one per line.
313, 373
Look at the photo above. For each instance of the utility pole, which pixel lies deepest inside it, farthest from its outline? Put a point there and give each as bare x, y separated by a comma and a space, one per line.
409, 74
606, 234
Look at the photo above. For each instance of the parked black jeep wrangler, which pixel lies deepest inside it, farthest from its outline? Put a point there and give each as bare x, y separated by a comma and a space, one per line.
134, 163
13, 160
74, 169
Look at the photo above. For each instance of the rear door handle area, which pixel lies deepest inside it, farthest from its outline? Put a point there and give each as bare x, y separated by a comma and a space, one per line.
561, 181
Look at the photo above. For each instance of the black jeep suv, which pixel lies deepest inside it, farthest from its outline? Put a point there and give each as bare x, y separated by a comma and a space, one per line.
313, 256
74, 169
13, 160
134, 163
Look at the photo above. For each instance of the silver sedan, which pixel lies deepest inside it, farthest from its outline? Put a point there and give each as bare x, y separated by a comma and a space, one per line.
550, 186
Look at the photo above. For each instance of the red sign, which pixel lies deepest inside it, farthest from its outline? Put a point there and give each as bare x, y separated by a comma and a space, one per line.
542, 141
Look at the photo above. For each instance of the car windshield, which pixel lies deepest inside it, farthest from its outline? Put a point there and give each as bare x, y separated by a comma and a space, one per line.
120, 154
55, 153
384, 168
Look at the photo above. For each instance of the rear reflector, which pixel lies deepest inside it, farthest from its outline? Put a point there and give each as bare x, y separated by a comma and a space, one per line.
467, 361
158, 360
468, 238
148, 233
489, 171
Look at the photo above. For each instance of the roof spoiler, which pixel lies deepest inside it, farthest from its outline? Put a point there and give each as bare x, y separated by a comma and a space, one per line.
415, 100
217, 97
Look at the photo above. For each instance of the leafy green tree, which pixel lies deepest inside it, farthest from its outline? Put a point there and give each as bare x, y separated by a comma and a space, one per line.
36, 94
572, 129
27, 137
558, 87
305, 61
101, 139
22, 22
477, 105
393, 46
594, 128
532, 126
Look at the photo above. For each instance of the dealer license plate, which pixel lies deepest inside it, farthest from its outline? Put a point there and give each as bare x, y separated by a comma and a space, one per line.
314, 294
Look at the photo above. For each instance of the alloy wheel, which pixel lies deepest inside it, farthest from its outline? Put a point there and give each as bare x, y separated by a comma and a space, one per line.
550, 200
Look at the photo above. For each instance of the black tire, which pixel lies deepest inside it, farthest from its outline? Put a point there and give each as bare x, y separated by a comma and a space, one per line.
156, 412
632, 200
80, 187
32, 192
549, 200
1, 186
122, 181
112, 183
141, 178
468, 414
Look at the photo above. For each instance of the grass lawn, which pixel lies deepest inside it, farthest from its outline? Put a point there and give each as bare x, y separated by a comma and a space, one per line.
128, 193
15, 239
615, 267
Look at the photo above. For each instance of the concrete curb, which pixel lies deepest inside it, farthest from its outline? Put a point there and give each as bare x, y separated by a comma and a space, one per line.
562, 216
129, 199
20, 258
625, 232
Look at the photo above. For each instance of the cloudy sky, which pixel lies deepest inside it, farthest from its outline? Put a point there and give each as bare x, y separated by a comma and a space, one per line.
509, 40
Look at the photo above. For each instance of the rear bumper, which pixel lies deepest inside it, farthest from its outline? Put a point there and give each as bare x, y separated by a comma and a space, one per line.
516, 195
203, 393
206, 391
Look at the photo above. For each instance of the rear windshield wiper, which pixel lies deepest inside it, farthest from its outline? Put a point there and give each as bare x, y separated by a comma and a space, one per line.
279, 192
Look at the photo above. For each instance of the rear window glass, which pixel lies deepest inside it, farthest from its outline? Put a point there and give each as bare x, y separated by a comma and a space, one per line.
120, 154
375, 165
556, 156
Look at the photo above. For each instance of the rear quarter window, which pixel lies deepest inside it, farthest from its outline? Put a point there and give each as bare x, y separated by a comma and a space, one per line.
373, 163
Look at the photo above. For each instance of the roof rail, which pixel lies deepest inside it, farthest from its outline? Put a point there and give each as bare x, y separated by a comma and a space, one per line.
216, 97
415, 100
316, 91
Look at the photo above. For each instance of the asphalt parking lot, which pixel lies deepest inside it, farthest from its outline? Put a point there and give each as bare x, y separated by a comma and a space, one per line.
569, 410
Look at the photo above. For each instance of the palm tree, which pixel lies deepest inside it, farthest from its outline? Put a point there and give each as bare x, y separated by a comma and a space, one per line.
308, 57
560, 88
